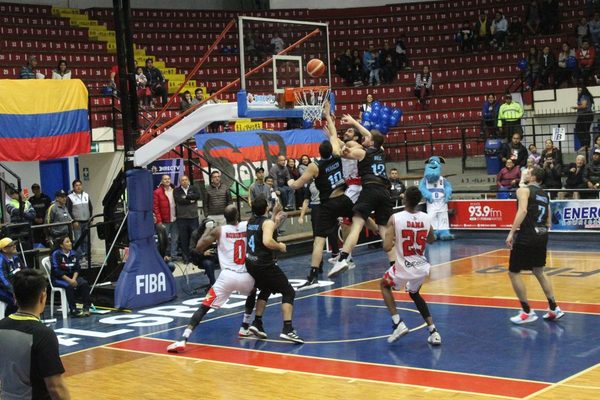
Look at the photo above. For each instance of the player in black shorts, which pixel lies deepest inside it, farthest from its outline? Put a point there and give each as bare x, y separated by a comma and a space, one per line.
528, 247
260, 263
374, 196
329, 180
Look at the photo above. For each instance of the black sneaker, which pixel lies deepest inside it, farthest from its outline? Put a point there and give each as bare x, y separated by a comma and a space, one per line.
257, 329
311, 282
292, 336
77, 314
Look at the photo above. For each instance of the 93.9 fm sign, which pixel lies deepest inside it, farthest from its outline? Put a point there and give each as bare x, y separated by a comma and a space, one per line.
482, 214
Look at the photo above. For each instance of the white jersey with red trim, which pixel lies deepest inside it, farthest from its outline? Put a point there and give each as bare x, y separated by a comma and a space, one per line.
350, 171
232, 247
411, 231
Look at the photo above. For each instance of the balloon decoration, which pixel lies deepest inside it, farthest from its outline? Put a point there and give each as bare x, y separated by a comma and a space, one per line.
381, 117
571, 62
523, 64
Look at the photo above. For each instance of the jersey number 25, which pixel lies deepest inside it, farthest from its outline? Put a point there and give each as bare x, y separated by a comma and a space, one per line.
414, 242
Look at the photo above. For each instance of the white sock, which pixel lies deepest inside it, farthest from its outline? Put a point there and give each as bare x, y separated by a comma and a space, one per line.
247, 318
431, 328
187, 333
396, 319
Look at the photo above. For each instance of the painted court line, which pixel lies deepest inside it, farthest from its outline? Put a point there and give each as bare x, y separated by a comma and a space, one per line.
372, 294
346, 369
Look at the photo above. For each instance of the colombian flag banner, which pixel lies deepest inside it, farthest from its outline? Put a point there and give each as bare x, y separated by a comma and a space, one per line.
43, 119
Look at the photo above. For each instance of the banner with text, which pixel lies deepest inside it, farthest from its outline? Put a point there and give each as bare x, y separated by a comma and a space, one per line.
172, 167
482, 214
575, 215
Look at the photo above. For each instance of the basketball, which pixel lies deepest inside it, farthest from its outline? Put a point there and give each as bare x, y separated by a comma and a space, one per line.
315, 67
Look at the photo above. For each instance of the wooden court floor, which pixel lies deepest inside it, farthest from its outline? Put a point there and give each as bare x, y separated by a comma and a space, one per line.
112, 372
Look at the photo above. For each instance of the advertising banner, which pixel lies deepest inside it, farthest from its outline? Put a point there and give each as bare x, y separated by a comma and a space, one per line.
575, 215
172, 167
482, 214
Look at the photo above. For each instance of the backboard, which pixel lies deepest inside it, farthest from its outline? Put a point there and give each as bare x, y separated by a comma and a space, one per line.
273, 56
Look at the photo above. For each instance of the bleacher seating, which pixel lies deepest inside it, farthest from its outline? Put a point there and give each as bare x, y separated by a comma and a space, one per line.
180, 37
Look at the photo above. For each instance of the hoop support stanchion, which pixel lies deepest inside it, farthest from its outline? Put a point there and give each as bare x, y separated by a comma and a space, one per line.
188, 78
144, 137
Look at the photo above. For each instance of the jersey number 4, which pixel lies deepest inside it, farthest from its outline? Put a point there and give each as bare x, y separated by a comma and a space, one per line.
414, 242
239, 251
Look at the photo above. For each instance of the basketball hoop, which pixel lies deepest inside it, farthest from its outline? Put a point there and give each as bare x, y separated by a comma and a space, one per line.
310, 98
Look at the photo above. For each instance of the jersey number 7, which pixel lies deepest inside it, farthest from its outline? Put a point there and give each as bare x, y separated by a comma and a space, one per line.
414, 242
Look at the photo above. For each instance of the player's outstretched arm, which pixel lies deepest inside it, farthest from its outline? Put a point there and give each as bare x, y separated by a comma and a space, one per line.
347, 119
307, 176
268, 241
208, 238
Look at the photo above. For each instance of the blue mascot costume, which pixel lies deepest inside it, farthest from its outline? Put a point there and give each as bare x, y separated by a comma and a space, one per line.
437, 190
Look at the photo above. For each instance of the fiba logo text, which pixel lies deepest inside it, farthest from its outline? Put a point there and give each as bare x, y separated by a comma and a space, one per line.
150, 283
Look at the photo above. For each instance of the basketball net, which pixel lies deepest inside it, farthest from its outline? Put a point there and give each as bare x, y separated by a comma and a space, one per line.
311, 99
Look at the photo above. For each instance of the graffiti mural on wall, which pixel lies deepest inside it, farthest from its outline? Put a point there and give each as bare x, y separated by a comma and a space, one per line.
238, 154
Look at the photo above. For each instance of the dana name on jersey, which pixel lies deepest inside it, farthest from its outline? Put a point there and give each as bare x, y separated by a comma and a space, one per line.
414, 224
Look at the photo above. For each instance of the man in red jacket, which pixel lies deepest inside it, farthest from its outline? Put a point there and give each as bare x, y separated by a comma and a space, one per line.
164, 211
586, 56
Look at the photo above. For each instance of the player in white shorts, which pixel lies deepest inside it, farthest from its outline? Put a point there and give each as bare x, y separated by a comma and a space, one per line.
410, 231
231, 248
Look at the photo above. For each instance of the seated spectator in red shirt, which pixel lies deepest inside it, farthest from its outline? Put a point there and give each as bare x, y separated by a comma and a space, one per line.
509, 176
61, 71
585, 60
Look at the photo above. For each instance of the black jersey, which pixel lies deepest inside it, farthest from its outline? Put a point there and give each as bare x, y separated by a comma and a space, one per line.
257, 253
330, 177
372, 168
534, 228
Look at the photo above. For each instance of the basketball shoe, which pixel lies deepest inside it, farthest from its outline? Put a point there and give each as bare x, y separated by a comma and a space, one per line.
523, 318
257, 329
400, 330
176, 347
553, 315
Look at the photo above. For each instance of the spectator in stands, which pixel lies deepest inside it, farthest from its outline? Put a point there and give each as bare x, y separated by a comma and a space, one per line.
387, 62
533, 18
186, 100
594, 29
143, 91
552, 175
10, 264
509, 176
549, 13
277, 44
80, 207
533, 68
574, 173
217, 196
58, 212
273, 196
30, 70
563, 74
163, 206
65, 274
371, 66
515, 31
343, 67
401, 53
304, 161
358, 71
533, 153
586, 56
582, 31
26, 213
251, 48
585, 116
40, 202
366, 107
499, 31
423, 84
489, 116
515, 151
295, 174
281, 177
112, 83
186, 213
526, 171
397, 188
551, 151
595, 146
591, 175
259, 187
547, 65
466, 38
509, 117
483, 29
156, 81
61, 71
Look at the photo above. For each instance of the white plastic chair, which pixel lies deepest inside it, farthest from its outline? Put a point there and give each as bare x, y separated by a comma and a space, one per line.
64, 304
